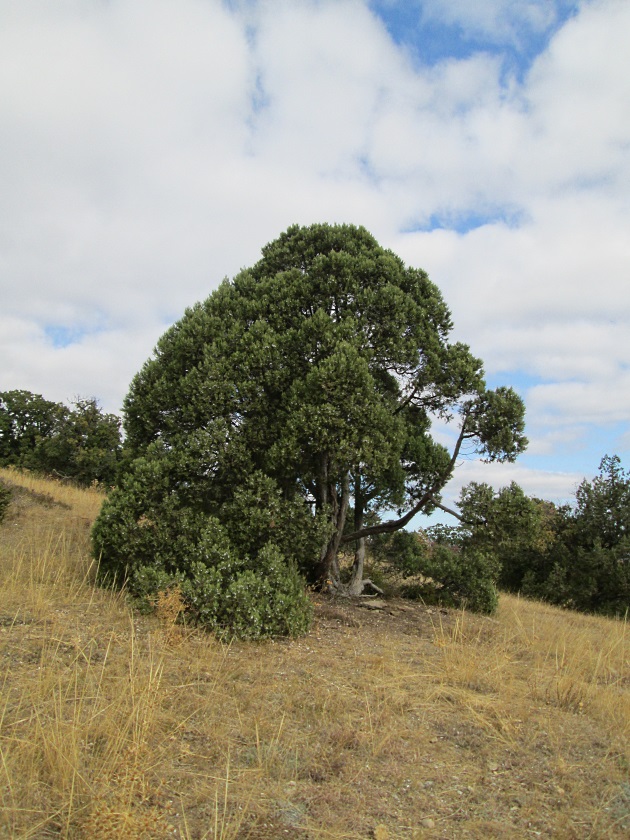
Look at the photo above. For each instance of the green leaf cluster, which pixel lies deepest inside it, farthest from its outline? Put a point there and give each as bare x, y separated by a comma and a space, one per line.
237, 572
441, 571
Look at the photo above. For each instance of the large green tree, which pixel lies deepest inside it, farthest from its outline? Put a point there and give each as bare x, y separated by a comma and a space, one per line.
323, 368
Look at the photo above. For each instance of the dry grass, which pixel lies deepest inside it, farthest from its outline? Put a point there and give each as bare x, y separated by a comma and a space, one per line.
405, 723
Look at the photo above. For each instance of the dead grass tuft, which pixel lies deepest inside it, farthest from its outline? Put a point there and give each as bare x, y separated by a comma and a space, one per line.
169, 606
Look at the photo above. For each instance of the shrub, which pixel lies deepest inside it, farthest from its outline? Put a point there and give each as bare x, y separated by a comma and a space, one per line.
464, 578
237, 574
249, 598
405, 551
449, 575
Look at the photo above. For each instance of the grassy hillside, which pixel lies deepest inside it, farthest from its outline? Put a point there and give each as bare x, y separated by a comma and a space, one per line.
404, 723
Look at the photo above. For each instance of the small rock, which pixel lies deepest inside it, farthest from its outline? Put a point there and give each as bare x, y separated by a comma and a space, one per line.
427, 822
373, 605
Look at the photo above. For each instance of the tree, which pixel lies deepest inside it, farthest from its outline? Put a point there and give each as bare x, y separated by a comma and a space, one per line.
574, 556
85, 447
598, 541
26, 419
602, 510
80, 443
516, 529
322, 367
444, 570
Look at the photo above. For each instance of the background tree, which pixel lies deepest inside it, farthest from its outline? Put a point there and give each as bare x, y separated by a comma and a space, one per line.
85, 447
576, 556
322, 367
81, 443
597, 540
439, 567
26, 420
517, 530
602, 509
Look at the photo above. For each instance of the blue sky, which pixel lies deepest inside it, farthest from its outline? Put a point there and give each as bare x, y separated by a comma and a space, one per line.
516, 32
152, 147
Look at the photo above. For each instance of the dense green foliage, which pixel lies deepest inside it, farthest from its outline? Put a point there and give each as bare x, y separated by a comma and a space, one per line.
319, 369
575, 556
439, 571
237, 571
79, 443
25, 421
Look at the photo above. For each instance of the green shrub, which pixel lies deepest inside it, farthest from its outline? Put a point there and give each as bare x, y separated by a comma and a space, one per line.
449, 575
234, 599
405, 551
465, 578
237, 574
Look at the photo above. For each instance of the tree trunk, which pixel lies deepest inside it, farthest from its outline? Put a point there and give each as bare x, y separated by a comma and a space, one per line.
355, 587
328, 572
357, 584
322, 495
329, 577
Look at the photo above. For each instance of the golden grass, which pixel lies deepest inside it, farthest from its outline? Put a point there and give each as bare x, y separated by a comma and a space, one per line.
409, 723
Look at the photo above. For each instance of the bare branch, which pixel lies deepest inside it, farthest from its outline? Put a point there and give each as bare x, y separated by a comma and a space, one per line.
392, 525
426, 499
458, 515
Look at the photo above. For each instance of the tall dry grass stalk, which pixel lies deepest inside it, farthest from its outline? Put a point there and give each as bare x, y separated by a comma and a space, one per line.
401, 724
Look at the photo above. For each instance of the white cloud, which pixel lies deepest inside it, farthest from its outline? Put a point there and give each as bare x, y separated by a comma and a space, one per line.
578, 99
92, 366
598, 402
151, 148
550, 441
555, 486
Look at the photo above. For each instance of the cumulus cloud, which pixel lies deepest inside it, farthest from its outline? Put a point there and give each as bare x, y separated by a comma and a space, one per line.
557, 486
152, 148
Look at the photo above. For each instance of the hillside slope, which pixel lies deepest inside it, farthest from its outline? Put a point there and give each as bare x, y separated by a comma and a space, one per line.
405, 722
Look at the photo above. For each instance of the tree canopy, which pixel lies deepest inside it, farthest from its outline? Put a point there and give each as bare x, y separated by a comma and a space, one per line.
322, 368
576, 556
80, 443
